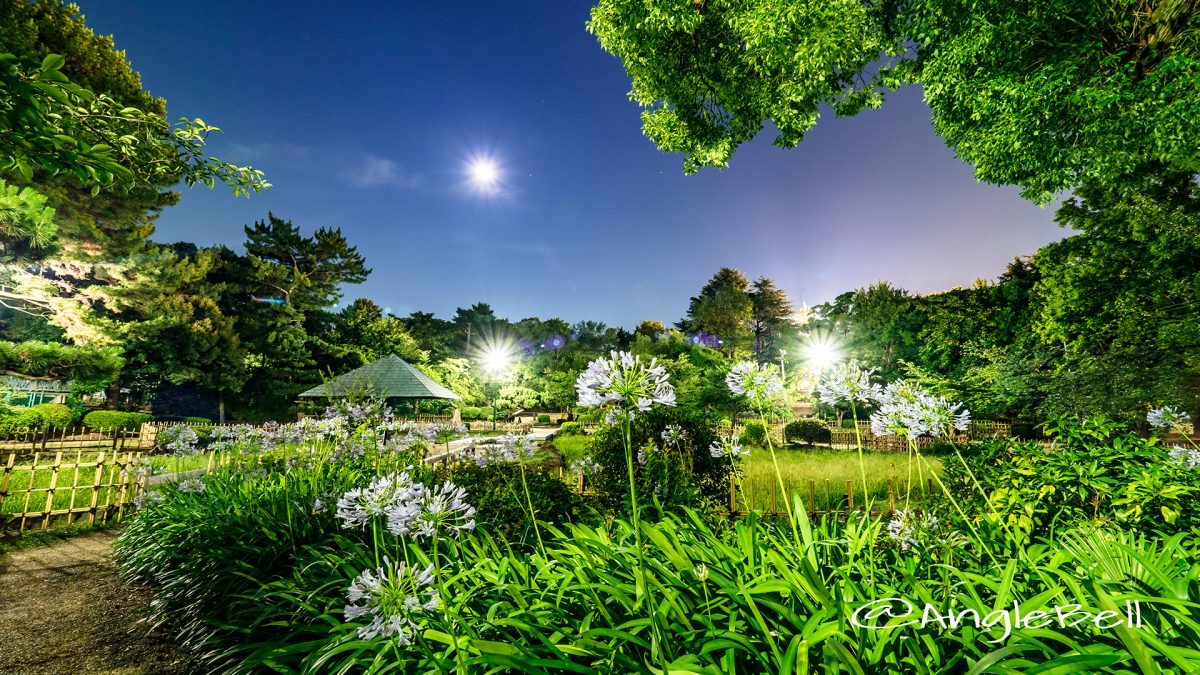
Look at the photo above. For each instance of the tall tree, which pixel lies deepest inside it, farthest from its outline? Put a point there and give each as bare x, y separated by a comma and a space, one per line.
770, 318
1038, 94
723, 309
1121, 300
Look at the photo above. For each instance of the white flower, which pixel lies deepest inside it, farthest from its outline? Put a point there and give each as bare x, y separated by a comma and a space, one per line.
145, 498
383, 495
625, 381
1188, 458
585, 465
849, 383
433, 510
908, 410
760, 384
390, 596
906, 528
673, 434
181, 440
727, 446
1167, 417
192, 485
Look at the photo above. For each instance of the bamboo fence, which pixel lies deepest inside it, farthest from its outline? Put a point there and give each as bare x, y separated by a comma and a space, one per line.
108, 485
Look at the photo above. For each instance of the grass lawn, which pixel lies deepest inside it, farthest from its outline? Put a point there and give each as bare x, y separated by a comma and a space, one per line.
820, 476
573, 447
817, 475
82, 479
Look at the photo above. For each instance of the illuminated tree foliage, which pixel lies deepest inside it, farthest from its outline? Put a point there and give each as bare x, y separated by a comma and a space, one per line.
1043, 95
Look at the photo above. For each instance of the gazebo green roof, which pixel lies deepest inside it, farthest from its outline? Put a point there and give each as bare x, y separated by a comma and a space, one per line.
389, 377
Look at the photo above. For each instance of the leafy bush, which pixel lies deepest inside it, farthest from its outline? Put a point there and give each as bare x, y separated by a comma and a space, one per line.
807, 432
497, 493
754, 434
570, 428
474, 413
197, 420
1094, 472
113, 419
681, 476
543, 419
17, 420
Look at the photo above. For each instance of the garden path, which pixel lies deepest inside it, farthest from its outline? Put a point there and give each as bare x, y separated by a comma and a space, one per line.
64, 610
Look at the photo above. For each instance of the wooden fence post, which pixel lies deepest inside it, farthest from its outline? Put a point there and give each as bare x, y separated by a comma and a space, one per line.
50, 493
849, 496
96, 489
8, 467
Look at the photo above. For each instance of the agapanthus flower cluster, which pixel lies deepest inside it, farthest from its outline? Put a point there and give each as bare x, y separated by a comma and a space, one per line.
584, 465
430, 511
384, 495
910, 529
625, 382
1188, 458
146, 498
906, 409
181, 440
192, 486
727, 446
847, 383
674, 434
761, 384
1167, 417
391, 597
369, 410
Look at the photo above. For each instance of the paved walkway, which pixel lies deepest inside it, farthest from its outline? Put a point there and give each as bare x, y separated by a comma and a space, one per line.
537, 434
64, 610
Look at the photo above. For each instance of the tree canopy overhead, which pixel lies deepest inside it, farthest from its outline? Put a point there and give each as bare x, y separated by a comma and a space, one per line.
1041, 95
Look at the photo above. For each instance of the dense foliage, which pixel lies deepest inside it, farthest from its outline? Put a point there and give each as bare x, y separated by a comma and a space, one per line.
268, 564
1042, 95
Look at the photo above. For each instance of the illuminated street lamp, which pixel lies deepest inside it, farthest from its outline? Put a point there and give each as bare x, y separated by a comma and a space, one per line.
495, 360
821, 354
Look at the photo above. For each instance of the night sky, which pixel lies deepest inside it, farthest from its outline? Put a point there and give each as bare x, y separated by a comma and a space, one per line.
366, 118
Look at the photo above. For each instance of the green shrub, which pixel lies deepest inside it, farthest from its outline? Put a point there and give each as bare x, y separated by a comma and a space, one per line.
197, 420
19, 420
589, 417
807, 432
570, 428
474, 413
848, 423
1098, 472
678, 477
543, 419
114, 419
754, 433
57, 415
496, 492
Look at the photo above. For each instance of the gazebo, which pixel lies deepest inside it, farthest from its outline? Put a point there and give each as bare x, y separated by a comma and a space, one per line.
390, 377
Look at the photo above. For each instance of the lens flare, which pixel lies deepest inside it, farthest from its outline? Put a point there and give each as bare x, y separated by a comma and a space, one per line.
821, 353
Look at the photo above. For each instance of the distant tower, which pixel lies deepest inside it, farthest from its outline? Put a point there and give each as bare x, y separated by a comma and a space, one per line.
803, 315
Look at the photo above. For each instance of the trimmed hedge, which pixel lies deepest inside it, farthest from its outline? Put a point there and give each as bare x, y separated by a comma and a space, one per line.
570, 429
57, 415
543, 419
197, 420
806, 431
114, 419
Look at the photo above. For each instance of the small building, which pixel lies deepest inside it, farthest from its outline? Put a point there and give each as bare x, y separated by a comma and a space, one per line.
390, 378
30, 391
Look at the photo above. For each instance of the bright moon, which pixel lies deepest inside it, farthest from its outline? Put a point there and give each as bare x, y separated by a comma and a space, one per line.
484, 174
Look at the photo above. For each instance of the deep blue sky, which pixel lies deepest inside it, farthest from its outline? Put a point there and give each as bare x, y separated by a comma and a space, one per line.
364, 119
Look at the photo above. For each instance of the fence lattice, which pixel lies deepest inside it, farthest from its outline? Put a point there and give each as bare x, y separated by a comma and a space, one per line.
98, 485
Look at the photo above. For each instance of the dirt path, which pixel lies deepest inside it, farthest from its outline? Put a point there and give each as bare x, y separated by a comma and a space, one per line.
63, 610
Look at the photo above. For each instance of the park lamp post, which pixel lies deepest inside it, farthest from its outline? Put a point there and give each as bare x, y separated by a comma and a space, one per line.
495, 362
